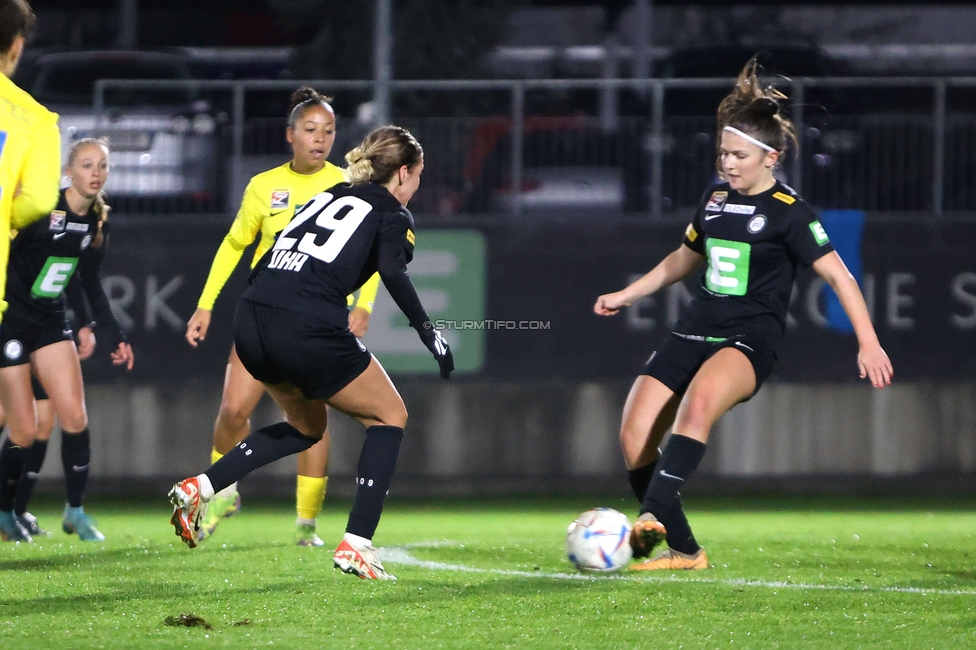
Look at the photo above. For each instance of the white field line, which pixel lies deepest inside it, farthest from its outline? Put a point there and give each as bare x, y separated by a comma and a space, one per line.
401, 555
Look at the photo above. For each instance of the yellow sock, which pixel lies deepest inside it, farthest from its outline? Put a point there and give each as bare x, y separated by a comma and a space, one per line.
309, 496
215, 455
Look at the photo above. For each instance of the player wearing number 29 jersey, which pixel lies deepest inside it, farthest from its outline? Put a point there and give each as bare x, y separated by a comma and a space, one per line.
332, 246
752, 247
291, 333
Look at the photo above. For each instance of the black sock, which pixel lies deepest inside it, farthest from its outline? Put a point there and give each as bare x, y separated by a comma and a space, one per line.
32, 465
677, 463
377, 462
640, 478
11, 466
75, 456
263, 446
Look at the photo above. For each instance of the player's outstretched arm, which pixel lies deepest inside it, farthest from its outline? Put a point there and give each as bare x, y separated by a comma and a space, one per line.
872, 361
673, 268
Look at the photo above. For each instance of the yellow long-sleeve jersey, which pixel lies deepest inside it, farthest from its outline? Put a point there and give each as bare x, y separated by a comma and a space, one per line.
269, 203
30, 166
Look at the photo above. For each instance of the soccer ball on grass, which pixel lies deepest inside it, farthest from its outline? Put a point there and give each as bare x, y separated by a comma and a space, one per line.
599, 540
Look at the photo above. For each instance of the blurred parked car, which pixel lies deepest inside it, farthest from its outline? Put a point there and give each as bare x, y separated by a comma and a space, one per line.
164, 141
569, 165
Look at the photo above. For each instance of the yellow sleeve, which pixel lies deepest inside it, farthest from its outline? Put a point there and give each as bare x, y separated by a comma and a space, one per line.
37, 193
242, 234
367, 293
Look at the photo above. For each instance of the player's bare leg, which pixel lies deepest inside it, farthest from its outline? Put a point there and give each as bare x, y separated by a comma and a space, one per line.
723, 381
58, 369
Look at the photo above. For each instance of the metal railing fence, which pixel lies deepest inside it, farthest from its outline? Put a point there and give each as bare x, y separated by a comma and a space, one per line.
898, 158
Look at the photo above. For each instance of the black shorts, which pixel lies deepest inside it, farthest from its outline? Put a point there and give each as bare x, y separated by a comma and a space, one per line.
19, 339
679, 357
277, 345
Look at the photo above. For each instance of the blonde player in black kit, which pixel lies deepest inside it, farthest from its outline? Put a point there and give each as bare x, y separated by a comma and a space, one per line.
35, 337
292, 334
752, 232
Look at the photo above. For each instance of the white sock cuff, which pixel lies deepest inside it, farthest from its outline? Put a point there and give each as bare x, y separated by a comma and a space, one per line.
206, 487
356, 540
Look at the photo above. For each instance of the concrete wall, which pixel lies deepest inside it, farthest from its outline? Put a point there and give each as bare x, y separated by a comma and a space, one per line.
530, 436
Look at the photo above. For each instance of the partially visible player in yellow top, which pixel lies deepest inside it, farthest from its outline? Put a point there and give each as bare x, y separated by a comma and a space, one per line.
270, 201
30, 144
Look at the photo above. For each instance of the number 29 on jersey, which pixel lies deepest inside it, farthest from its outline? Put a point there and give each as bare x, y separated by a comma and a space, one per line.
297, 242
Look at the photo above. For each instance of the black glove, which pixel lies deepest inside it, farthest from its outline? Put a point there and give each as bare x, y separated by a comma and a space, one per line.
440, 349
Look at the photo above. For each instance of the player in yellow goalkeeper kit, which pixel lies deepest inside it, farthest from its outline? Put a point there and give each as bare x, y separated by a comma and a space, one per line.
30, 144
270, 201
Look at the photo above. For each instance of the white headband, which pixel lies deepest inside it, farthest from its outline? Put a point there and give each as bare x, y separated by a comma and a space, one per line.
758, 143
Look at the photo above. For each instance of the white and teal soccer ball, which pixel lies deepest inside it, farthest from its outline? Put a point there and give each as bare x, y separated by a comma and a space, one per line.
599, 540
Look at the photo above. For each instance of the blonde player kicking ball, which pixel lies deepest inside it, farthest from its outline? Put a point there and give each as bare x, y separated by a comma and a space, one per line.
753, 232
270, 201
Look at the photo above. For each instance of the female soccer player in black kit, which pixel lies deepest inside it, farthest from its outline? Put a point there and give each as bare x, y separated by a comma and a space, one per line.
752, 232
292, 334
35, 336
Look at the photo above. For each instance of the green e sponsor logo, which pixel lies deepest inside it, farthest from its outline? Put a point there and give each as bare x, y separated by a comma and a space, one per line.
728, 266
819, 233
53, 278
448, 270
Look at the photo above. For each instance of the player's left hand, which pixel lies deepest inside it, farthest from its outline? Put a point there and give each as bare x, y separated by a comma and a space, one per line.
358, 322
874, 364
123, 356
442, 352
86, 342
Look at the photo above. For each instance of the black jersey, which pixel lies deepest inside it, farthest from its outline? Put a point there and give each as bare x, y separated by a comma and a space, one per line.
332, 245
44, 258
752, 247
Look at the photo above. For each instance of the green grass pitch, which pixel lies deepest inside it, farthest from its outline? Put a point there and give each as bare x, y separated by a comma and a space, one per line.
787, 573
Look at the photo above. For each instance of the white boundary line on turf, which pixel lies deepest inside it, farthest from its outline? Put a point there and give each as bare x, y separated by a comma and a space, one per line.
401, 555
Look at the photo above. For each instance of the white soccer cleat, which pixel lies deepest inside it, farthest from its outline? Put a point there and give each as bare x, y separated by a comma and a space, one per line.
361, 562
188, 510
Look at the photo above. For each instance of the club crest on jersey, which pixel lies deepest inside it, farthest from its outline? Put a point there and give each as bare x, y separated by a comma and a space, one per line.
58, 220
85, 241
756, 224
279, 198
717, 201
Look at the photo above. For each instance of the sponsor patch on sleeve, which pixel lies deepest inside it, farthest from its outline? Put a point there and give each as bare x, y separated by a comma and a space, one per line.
411, 237
819, 233
716, 201
691, 233
58, 220
785, 198
279, 198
